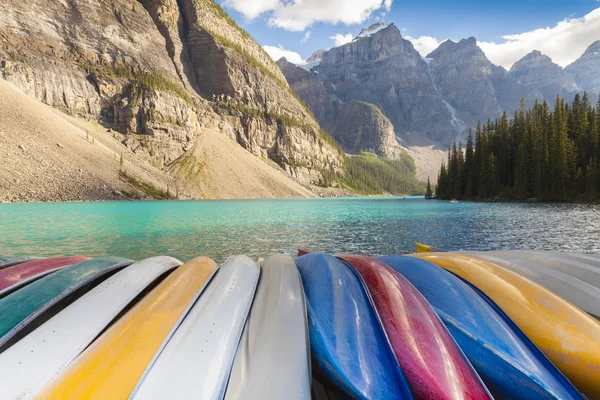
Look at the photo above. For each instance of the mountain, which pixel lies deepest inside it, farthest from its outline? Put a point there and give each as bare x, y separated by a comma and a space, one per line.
357, 126
537, 72
382, 68
163, 74
432, 99
586, 69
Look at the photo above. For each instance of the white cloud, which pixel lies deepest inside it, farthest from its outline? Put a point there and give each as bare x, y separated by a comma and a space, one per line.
564, 42
251, 8
341, 39
297, 15
424, 44
306, 37
276, 52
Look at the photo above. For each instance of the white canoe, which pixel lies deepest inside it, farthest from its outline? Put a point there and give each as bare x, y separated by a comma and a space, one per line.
570, 277
32, 362
197, 360
273, 358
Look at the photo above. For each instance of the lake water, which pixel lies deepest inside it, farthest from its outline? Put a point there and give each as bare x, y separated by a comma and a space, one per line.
185, 229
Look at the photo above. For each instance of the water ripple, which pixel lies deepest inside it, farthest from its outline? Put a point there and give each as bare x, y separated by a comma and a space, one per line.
218, 229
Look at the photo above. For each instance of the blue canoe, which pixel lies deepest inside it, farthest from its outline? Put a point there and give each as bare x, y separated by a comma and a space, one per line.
511, 366
346, 337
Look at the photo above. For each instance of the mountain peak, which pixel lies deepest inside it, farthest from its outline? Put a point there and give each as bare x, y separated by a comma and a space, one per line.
371, 30
593, 49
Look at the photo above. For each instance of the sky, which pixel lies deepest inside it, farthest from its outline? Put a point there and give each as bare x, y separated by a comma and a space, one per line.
506, 30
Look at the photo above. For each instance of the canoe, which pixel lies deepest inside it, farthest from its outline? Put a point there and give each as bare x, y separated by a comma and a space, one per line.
568, 336
20, 275
33, 361
557, 276
197, 361
510, 365
434, 365
273, 358
347, 341
23, 307
9, 261
111, 366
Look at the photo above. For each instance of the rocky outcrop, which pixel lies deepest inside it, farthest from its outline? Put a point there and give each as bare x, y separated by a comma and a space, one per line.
357, 126
361, 126
586, 69
164, 69
536, 71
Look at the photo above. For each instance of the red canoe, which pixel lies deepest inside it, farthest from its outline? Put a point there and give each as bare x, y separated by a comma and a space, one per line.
434, 365
19, 275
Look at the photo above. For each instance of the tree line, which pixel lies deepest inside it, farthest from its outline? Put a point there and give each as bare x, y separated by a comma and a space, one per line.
544, 153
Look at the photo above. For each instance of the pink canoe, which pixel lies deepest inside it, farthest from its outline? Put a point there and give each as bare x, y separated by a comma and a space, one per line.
20, 275
434, 365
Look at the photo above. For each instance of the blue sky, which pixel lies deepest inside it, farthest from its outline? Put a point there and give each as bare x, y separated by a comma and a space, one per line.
561, 29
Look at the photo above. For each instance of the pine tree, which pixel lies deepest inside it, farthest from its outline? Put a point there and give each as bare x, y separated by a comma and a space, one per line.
429, 192
542, 153
469, 167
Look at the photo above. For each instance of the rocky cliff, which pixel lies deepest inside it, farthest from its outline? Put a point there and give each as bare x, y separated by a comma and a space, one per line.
380, 67
357, 126
161, 72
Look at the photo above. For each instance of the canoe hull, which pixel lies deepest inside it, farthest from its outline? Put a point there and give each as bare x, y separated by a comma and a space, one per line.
24, 306
33, 361
111, 367
568, 336
434, 365
347, 342
199, 356
22, 274
507, 361
555, 275
272, 361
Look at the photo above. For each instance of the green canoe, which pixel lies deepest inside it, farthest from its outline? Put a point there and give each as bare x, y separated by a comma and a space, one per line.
21, 308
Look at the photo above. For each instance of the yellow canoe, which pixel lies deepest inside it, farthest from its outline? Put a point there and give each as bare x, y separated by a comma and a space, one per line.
568, 336
112, 366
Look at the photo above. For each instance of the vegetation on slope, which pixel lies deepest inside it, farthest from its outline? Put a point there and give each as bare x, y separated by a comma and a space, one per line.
539, 154
369, 174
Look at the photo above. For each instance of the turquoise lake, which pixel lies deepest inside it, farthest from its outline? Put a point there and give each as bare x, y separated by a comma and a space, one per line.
258, 228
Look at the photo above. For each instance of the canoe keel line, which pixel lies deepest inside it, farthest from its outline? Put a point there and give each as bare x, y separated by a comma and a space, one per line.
509, 324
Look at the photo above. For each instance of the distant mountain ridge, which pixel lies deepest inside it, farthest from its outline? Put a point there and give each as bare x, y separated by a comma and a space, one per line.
434, 99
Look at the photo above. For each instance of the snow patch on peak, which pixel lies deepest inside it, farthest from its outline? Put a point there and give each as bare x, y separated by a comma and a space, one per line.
371, 30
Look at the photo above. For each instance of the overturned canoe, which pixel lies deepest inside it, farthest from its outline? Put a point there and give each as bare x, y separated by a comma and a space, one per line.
197, 361
568, 336
21, 274
111, 367
21, 308
9, 261
557, 275
273, 358
511, 366
434, 365
33, 361
346, 337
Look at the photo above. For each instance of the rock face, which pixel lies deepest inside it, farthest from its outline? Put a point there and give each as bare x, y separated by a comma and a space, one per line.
586, 69
160, 70
357, 126
382, 68
536, 71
